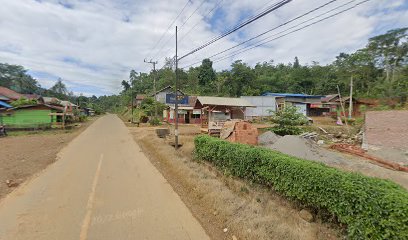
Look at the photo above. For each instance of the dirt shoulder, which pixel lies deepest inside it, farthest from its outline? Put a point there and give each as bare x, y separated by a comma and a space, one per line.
227, 207
24, 155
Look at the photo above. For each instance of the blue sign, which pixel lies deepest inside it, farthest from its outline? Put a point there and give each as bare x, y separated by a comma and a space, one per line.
171, 99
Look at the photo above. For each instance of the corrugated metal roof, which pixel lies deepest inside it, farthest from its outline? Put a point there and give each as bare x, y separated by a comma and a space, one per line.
10, 93
68, 103
291, 95
165, 88
4, 98
224, 101
50, 100
5, 105
36, 105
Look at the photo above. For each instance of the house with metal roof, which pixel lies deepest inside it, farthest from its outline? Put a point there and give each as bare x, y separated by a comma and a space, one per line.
30, 116
308, 105
186, 112
215, 111
160, 95
9, 95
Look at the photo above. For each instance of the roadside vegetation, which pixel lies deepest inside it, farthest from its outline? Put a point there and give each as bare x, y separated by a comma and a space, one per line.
371, 208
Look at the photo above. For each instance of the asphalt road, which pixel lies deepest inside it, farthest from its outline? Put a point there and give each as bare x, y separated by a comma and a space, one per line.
102, 187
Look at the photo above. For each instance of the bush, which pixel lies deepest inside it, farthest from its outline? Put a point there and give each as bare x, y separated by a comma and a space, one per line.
372, 208
288, 121
154, 122
82, 118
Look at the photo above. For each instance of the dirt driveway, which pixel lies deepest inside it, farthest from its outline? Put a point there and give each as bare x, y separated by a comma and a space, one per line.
23, 156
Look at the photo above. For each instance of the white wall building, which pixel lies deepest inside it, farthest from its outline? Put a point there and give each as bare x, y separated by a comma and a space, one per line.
264, 106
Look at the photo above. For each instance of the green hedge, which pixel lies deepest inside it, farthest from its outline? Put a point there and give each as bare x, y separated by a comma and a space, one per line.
372, 208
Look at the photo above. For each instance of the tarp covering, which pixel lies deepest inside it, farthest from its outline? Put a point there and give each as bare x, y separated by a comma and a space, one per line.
5, 105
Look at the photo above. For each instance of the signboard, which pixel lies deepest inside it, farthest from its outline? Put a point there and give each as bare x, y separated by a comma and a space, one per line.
171, 99
318, 105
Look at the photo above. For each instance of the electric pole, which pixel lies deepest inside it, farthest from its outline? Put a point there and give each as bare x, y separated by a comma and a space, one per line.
132, 97
176, 104
154, 83
351, 98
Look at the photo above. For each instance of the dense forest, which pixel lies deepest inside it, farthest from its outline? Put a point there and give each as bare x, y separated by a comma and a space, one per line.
379, 70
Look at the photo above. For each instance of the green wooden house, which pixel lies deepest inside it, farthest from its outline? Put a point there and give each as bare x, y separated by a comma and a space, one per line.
32, 116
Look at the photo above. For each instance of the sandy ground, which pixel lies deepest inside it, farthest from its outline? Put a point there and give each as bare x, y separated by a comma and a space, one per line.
306, 149
23, 156
393, 154
220, 202
102, 187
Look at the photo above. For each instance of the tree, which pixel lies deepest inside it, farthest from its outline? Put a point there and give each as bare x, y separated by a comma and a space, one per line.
15, 77
390, 51
242, 79
206, 76
125, 85
59, 88
296, 64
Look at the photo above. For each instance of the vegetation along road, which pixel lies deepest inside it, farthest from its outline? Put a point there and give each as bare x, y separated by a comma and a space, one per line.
102, 187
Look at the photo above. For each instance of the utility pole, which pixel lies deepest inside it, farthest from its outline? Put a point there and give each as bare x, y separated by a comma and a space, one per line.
154, 83
351, 98
176, 104
342, 108
132, 99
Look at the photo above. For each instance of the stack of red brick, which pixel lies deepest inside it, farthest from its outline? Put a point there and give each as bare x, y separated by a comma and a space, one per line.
245, 133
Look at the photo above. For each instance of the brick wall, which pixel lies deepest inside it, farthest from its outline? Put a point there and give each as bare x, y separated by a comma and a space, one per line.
245, 133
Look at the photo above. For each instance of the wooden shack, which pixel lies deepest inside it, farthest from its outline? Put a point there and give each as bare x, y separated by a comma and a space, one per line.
215, 111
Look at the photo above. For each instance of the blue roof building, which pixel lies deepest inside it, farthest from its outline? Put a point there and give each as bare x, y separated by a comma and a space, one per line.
309, 105
292, 95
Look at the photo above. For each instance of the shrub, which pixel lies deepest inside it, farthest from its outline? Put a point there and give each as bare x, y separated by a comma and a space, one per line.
23, 102
82, 118
372, 208
154, 122
288, 121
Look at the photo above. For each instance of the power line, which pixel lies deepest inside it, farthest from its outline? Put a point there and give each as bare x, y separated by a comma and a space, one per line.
168, 39
239, 26
260, 42
268, 8
192, 28
199, 6
296, 30
258, 9
168, 28
270, 30
205, 16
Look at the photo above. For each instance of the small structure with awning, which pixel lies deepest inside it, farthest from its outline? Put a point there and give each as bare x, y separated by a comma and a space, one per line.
215, 111
186, 112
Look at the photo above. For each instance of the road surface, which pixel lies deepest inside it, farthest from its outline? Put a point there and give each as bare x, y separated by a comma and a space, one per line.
102, 187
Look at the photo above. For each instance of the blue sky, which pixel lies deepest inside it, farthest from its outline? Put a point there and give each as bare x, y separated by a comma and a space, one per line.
92, 45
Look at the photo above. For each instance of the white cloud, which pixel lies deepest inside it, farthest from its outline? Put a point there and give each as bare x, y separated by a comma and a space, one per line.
96, 43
